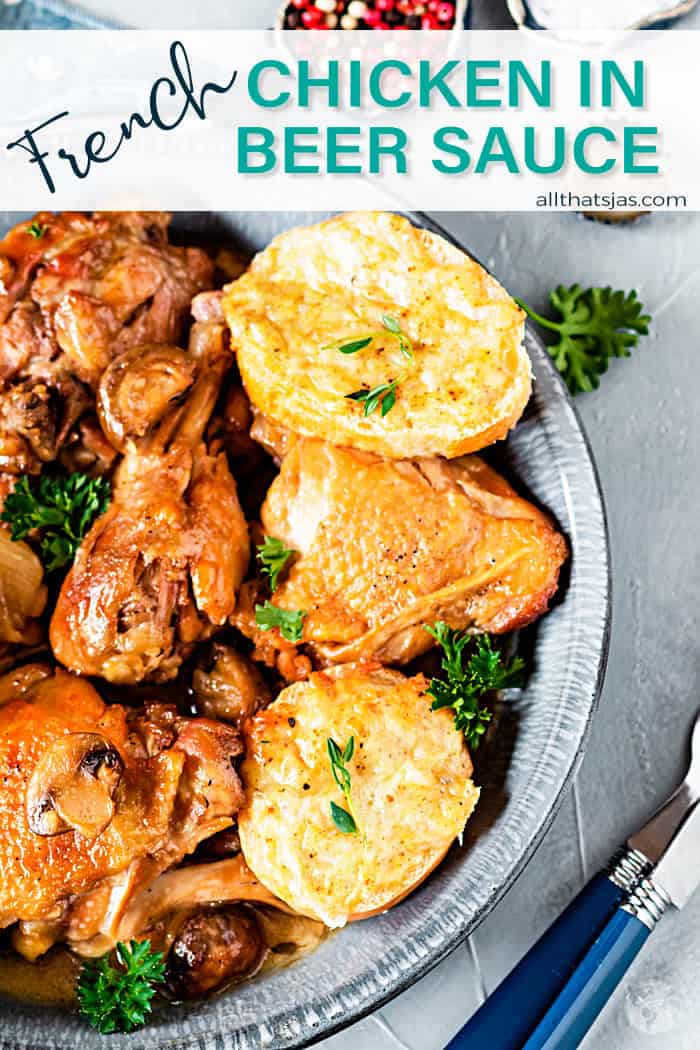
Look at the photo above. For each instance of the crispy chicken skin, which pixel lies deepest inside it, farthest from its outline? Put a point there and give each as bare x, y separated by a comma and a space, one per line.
74, 293
385, 547
317, 285
160, 569
144, 786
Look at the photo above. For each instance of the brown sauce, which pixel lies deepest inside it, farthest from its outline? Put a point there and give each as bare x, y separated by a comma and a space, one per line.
50, 981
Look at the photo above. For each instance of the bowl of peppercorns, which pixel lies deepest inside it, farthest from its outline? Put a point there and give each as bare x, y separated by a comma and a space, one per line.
373, 14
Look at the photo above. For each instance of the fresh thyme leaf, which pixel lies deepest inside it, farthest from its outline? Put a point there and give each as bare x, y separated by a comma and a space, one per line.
36, 230
406, 349
345, 820
388, 401
384, 395
62, 509
373, 399
289, 621
355, 345
274, 558
467, 680
118, 998
596, 325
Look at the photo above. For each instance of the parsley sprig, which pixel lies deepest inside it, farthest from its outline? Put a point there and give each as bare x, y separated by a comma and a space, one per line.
36, 230
382, 396
117, 998
469, 678
274, 558
289, 621
345, 820
62, 509
596, 325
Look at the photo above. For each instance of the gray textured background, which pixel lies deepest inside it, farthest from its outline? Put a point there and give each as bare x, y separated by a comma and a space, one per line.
644, 426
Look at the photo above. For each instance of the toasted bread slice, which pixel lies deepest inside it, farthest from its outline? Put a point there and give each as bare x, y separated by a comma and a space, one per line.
411, 800
315, 287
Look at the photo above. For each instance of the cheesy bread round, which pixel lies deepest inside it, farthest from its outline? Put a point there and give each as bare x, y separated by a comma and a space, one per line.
410, 792
445, 353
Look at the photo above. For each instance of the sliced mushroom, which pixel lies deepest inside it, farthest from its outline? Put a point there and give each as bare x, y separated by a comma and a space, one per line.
212, 950
139, 387
73, 786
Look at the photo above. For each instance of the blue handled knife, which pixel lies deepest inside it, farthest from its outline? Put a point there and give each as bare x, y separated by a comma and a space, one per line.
557, 990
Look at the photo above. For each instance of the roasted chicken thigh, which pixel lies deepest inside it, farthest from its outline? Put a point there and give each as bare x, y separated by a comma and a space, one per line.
75, 291
385, 547
160, 569
96, 801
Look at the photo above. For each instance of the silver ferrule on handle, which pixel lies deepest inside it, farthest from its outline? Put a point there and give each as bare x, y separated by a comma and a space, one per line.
627, 867
647, 902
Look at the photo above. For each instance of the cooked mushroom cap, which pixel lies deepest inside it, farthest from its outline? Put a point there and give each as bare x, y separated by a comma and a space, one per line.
229, 686
214, 949
73, 786
139, 387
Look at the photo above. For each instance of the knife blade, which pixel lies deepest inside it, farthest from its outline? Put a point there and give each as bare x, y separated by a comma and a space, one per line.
653, 839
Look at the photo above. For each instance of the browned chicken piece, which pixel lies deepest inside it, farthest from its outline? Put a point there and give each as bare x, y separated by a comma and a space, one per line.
232, 423
387, 547
75, 291
96, 802
160, 569
87, 450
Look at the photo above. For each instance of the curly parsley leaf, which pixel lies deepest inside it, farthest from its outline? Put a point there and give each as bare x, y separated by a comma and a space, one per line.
468, 678
274, 558
117, 998
289, 621
62, 509
345, 820
36, 230
596, 324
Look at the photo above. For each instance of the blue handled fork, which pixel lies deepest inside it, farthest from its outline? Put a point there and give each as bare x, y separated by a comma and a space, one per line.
554, 994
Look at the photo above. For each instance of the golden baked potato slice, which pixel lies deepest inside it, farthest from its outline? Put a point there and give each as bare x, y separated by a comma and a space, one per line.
411, 791
314, 287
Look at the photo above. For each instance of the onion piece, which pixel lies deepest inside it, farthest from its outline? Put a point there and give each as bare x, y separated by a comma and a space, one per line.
22, 591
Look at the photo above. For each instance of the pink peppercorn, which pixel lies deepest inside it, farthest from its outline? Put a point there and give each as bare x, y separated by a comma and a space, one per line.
373, 17
428, 22
385, 5
312, 17
445, 12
